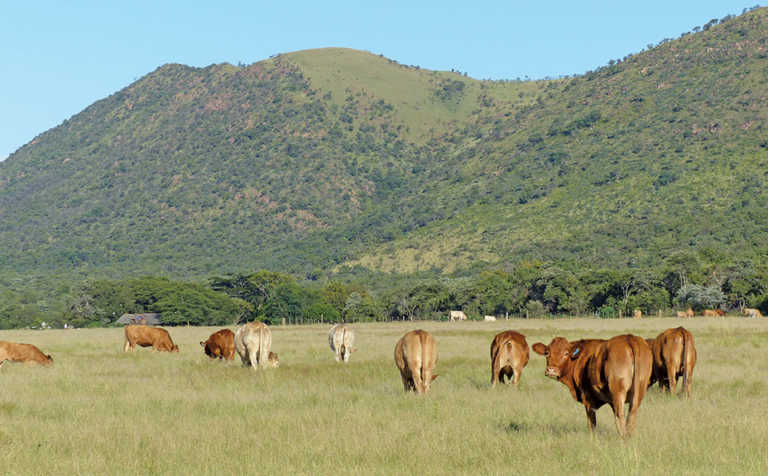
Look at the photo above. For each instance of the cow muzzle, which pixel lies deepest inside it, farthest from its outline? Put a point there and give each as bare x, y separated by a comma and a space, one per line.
552, 372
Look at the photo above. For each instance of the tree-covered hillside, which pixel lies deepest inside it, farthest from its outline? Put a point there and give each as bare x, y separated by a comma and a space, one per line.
318, 161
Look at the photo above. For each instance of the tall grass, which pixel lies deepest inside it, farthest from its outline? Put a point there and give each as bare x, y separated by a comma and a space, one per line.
101, 411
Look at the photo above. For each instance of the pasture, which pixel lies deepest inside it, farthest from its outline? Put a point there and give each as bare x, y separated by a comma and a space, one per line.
98, 410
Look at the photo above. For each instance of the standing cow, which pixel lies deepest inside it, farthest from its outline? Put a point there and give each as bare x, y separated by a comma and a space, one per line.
674, 355
596, 371
147, 336
457, 316
415, 357
220, 345
252, 342
341, 339
26, 353
509, 354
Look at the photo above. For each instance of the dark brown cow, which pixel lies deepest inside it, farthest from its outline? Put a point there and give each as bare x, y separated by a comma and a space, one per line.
416, 356
674, 355
614, 371
26, 353
509, 354
147, 336
220, 345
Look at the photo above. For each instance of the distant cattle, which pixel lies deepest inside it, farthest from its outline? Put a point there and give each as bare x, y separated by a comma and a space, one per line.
252, 342
752, 312
27, 353
674, 355
509, 354
341, 339
720, 312
638, 314
709, 313
614, 371
415, 357
458, 316
687, 313
489, 318
220, 345
147, 336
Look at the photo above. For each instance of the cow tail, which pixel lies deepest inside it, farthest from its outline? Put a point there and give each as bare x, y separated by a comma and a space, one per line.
343, 347
263, 352
635, 373
686, 370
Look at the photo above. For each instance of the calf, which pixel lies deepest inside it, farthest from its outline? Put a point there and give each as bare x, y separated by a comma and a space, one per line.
147, 336
26, 353
341, 339
220, 345
509, 354
674, 355
252, 342
614, 371
416, 356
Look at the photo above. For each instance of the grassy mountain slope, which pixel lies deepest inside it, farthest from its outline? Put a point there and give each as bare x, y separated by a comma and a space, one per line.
321, 158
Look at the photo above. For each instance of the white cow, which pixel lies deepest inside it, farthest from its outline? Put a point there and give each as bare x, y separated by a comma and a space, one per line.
489, 318
458, 316
341, 339
252, 342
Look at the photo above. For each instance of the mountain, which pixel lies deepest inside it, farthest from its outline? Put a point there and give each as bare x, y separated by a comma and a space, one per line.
323, 160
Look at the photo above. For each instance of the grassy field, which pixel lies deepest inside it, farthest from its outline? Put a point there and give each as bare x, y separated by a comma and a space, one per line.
101, 411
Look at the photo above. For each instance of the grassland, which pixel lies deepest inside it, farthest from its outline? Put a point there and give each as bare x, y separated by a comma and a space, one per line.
100, 411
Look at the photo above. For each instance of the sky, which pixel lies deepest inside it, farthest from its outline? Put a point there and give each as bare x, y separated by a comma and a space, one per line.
57, 58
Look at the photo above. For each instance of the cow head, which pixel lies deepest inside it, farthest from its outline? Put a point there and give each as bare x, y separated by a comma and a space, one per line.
48, 360
559, 353
175, 348
272, 360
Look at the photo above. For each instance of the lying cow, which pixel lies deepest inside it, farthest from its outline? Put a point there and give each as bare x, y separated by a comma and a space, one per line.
146, 336
26, 353
457, 316
341, 339
220, 345
252, 342
614, 371
416, 356
509, 354
674, 355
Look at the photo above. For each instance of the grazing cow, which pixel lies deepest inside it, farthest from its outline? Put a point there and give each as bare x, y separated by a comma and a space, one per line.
720, 312
489, 318
614, 371
253, 341
220, 345
752, 312
26, 353
681, 314
147, 336
509, 354
674, 355
709, 313
416, 356
341, 339
638, 314
458, 316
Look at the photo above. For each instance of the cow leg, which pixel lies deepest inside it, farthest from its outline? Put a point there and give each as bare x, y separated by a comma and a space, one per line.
618, 412
518, 372
495, 373
418, 383
591, 418
126, 346
672, 378
346, 354
253, 355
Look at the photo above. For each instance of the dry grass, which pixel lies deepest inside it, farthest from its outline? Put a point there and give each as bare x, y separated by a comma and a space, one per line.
100, 411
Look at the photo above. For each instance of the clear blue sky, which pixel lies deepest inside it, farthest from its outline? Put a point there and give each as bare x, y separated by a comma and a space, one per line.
58, 57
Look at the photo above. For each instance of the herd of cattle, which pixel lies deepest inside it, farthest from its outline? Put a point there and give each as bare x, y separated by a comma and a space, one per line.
615, 371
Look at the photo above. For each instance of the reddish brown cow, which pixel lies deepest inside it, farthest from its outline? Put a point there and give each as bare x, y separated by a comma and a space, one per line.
709, 313
509, 354
26, 353
674, 355
220, 345
614, 371
147, 336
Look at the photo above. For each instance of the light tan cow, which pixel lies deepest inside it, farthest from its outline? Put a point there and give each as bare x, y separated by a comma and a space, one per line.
489, 318
252, 342
638, 314
709, 313
26, 353
674, 355
687, 313
147, 336
457, 316
416, 356
509, 355
341, 339
752, 312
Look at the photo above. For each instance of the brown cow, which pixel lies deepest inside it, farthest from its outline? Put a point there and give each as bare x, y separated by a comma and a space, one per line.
709, 313
614, 371
509, 354
416, 356
720, 312
221, 345
674, 355
146, 336
752, 312
26, 353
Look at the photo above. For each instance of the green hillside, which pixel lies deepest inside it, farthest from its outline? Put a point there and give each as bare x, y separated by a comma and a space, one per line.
317, 161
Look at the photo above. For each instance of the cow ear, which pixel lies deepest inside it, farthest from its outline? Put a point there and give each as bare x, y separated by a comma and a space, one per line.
540, 348
202, 344
575, 352
435, 376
